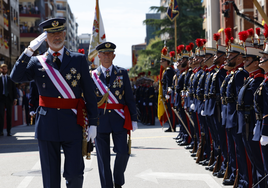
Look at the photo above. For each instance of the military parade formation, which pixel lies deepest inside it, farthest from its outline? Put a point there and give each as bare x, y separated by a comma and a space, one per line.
218, 98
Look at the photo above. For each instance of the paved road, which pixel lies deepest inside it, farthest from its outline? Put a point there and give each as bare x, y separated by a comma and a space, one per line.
156, 161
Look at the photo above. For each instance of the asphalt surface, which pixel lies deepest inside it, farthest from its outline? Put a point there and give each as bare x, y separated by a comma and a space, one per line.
156, 161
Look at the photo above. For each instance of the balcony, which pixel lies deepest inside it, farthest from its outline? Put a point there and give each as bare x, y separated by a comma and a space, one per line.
29, 12
32, 35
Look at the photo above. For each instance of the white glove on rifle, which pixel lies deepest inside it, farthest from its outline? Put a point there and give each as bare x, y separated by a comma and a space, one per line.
203, 113
264, 140
32, 113
144, 104
254, 130
91, 133
34, 44
192, 106
150, 104
167, 97
187, 93
134, 125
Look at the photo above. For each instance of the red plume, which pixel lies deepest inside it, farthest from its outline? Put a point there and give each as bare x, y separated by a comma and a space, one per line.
172, 54
188, 48
265, 33
232, 39
164, 51
251, 32
199, 42
204, 41
82, 51
226, 41
216, 36
258, 31
243, 35
178, 51
191, 45
227, 32
181, 47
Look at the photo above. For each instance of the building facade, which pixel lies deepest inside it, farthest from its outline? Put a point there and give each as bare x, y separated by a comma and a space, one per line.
149, 29
9, 31
64, 10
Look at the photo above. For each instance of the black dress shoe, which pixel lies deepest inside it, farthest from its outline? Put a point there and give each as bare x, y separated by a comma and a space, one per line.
204, 162
177, 138
183, 143
210, 168
168, 130
228, 182
221, 173
189, 146
180, 140
117, 186
193, 155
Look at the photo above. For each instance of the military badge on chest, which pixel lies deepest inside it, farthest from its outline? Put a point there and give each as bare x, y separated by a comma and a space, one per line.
73, 76
118, 82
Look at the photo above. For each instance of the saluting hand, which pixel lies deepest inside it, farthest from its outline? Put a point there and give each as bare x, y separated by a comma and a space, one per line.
34, 44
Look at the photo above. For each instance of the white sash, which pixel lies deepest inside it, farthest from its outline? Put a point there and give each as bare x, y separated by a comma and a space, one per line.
57, 79
104, 89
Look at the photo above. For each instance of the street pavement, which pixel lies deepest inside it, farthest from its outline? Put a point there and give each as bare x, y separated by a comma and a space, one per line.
156, 161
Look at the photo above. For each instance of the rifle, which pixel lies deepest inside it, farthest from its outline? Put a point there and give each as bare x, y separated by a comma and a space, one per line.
182, 121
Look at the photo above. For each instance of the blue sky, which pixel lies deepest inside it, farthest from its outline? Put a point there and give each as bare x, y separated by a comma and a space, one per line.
122, 23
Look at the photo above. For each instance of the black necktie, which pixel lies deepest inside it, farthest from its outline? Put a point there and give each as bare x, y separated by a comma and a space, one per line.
56, 59
107, 76
5, 86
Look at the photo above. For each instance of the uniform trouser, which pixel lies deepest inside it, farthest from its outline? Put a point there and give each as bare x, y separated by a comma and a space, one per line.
241, 158
264, 150
50, 157
213, 132
5, 103
103, 156
204, 129
184, 133
222, 142
151, 115
197, 130
192, 129
254, 153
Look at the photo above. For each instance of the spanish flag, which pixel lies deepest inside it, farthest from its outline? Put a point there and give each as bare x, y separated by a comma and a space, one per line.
160, 107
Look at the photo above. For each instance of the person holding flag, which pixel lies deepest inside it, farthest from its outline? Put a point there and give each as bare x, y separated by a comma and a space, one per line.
118, 116
165, 85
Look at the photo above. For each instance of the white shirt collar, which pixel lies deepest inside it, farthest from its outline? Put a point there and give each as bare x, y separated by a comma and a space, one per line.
104, 69
61, 51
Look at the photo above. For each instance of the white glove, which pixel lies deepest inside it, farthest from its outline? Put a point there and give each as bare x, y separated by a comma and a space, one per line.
169, 90
32, 113
167, 97
254, 130
34, 44
183, 94
264, 140
150, 104
192, 106
144, 104
203, 113
134, 125
91, 133
187, 93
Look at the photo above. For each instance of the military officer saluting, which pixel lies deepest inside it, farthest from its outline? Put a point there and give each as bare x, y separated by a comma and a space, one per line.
61, 77
117, 112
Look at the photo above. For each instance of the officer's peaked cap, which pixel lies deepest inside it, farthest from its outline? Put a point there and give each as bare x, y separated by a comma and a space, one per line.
106, 47
53, 25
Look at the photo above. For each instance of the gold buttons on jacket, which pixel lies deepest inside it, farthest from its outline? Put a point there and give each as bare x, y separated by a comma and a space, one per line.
109, 111
59, 98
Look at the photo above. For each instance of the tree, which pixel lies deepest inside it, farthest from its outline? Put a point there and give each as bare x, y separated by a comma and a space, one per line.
189, 28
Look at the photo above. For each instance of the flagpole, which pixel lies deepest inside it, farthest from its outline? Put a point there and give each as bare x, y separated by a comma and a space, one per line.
175, 33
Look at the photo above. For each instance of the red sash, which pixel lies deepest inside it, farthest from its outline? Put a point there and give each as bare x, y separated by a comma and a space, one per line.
78, 104
128, 122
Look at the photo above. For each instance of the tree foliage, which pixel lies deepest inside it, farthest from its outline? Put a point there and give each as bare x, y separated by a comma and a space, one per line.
189, 27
